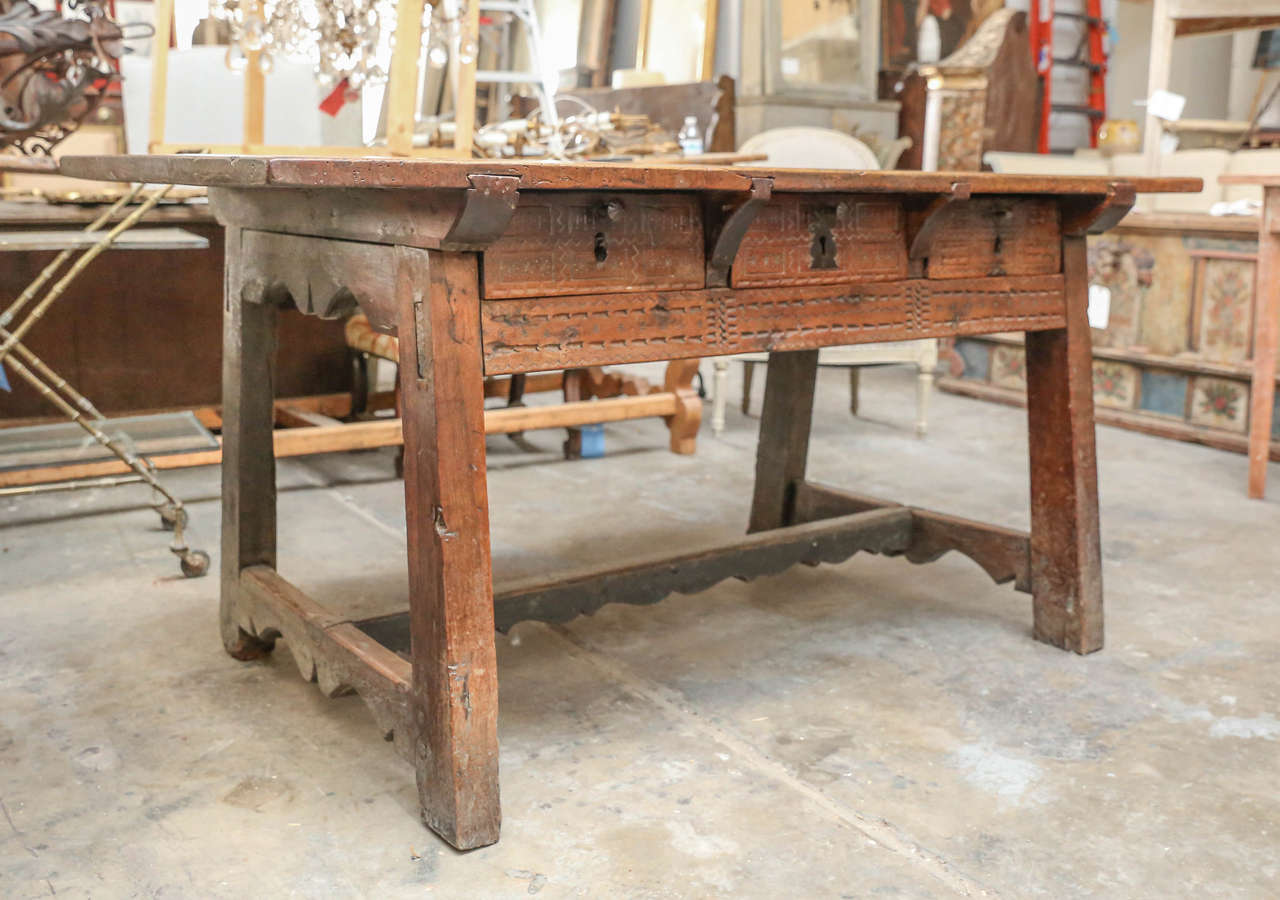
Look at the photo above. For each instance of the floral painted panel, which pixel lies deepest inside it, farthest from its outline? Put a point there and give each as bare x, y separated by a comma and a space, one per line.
960, 143
1114, 384
1219, 403
1126, 268
1226, 303
1009, 367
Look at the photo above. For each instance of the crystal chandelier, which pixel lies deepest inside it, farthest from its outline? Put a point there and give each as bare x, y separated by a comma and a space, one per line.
342, 39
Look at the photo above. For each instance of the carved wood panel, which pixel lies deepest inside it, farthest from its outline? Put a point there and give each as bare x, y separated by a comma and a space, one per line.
570, 332
995, 236
584, 243
799, 239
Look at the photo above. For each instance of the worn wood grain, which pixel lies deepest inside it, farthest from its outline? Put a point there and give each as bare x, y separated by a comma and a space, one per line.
373, 172
782, 450
585, 243
797, 239
1066, 554
569, 332
562, 596
330, 651
455, 676
1003, 553
248, 464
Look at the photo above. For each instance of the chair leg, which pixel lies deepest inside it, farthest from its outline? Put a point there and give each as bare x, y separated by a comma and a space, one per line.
924, 390
855, 379
748, 370
720, 382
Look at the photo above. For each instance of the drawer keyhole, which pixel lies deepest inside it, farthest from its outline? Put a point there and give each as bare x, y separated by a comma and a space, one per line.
602, 252
822, 251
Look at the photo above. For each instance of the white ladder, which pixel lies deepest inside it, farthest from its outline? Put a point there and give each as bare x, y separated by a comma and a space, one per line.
542, 81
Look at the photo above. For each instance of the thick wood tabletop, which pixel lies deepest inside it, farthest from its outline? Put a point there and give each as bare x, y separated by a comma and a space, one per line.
312, 172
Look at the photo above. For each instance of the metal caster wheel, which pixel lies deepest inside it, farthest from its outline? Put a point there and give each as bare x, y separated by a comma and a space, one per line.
170, 516
195, 563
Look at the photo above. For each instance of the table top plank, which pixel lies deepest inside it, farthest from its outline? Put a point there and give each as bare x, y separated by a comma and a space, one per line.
419, 174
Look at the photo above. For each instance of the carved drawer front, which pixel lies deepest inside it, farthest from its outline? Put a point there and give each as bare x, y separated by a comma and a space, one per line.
802, 239
991, 236
590, 243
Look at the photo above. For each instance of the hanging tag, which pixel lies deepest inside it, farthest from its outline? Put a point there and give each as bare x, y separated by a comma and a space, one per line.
4, 380
336, 100
1099, 306
1166, 105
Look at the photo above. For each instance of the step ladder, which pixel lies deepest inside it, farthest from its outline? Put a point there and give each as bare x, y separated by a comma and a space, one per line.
1089, 54
541, 81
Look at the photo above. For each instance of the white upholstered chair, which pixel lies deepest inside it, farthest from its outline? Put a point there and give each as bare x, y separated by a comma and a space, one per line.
823, 148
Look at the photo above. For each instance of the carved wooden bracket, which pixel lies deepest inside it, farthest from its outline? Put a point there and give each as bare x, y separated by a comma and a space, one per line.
929, 222
728, 218
1098, 216
486, 212
321, 277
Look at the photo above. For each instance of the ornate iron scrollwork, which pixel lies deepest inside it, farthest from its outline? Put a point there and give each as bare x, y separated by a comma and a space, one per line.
54, 70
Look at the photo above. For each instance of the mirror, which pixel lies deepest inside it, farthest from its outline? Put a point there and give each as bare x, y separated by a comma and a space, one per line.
677, 39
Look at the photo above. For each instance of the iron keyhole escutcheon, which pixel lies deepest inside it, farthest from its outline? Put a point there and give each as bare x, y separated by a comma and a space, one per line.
822, 249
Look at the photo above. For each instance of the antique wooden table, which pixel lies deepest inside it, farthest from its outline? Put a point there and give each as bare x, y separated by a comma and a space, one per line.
489, 268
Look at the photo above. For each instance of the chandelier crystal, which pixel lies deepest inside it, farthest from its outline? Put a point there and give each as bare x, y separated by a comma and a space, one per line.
341, 39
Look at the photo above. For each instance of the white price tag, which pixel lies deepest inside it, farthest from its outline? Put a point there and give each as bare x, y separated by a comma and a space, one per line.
1166, 105
1099, 306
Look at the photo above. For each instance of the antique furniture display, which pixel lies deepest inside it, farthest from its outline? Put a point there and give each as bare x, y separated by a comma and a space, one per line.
980, 98
1179, 18
490, 269
822, 148
1263, 420
1175, 351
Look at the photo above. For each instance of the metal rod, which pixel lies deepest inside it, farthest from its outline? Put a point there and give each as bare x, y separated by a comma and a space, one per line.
126, 456
53, 377
85, 258
48, 271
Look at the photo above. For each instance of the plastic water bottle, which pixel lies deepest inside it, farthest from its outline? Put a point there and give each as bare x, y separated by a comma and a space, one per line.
690, 137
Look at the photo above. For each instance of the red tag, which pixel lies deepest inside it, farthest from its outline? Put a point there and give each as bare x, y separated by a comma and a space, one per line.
336, 100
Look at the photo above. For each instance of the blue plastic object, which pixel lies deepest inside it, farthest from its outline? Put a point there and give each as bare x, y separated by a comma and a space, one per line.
592, 441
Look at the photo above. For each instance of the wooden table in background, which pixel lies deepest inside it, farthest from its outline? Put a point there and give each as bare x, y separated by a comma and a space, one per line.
493, 268
1266, 329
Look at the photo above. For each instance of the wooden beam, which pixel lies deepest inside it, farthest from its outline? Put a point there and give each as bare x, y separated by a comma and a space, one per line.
563, 596
297, 441
1003, 553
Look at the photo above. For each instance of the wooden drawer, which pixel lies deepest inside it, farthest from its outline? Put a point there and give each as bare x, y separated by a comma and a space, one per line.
994, 236
803, 239
592, 243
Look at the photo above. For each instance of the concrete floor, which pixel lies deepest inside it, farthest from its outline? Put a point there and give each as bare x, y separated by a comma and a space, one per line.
869, 729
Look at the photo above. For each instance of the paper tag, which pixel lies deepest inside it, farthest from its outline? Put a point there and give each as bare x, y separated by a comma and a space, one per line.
1169, 143
1166, 105
337, 98
1099, 306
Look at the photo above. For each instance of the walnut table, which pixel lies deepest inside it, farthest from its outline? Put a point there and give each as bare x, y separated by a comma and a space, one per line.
484, 268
